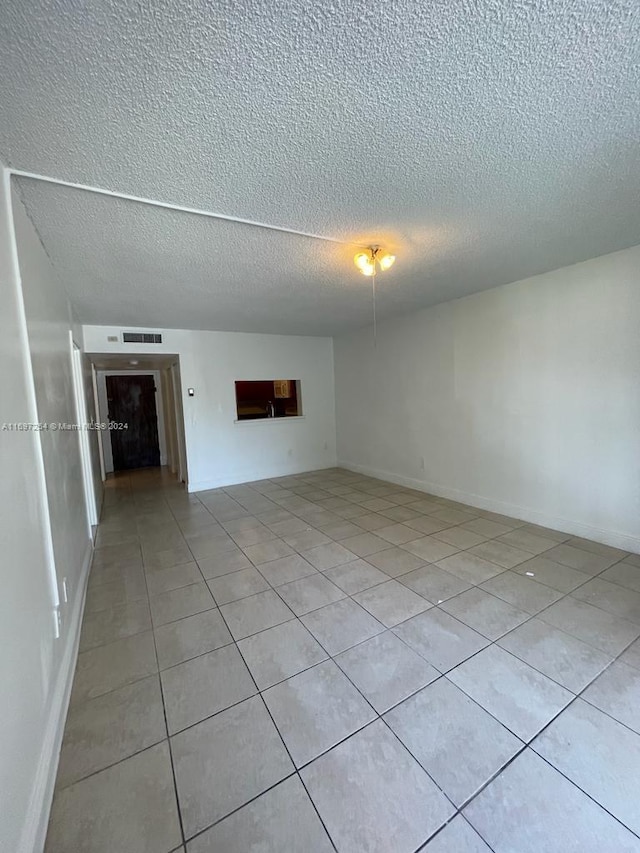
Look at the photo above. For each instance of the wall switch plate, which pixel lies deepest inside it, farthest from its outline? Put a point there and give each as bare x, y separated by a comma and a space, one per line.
191, 392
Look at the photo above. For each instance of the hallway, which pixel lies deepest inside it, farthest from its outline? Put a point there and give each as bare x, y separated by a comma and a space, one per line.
330, 662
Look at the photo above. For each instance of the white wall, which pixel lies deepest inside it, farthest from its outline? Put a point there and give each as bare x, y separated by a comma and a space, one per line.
101, 376
219, 450
524, 399
36, 665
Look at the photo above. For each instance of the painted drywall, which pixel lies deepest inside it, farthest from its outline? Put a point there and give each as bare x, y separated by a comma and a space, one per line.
43, 530
219, 450
104, 412
524, 399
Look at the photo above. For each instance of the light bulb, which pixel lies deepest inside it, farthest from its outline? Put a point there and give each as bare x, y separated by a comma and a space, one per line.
386, 261
362, 260
368, 270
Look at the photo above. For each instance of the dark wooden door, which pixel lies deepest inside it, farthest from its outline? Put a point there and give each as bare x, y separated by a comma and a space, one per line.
132, 401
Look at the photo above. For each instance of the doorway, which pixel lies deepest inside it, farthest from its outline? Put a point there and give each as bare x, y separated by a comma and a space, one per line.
133, 415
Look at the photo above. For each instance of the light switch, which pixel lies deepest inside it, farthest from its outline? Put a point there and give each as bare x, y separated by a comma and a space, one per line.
191, 392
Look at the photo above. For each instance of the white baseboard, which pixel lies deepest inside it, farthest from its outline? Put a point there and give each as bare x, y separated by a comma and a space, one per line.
607, 537
37, 819
263, 474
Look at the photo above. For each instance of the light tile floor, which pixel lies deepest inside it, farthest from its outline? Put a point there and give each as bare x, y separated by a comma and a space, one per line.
330, 662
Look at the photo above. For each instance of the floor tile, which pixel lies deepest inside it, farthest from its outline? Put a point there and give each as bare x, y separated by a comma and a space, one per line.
625, 574
338, 530
286, 569
105, 730
203, 686
278, 821
534, 543
372, 795
521, 591
266, 551
485, 613
469, 568
113, 665
225, 761
355, 576
429, 549
189, 637
116, 623
164, 580
395, 561
365, 544
440, 725
457, 837
391, 602
632, 655
434, 584
486, 528
341, 625
599, 755
500, 553
596, 547
453, 516
328, 556
223, 564
591, 624
280, 652
371, 521
237, 585
442, 640
167, 558
576, 558
459, 536
310, 593
125, 590
522, 699
307, 539
100, 815
611, 597
254, 614
531, 808
427, 525
385, 670
397, 534
560, 656
252, 536
552, 574
617, 693
315, 710
178, 603
210, 545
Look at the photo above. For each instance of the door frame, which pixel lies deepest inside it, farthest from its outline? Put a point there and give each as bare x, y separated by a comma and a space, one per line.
83, 436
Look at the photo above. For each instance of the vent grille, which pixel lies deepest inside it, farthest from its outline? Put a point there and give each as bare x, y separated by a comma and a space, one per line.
141, 338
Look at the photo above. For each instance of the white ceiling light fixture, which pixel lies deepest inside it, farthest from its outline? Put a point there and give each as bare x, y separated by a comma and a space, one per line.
368, 262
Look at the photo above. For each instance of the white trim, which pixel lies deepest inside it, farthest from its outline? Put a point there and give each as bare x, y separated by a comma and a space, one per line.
83, 435
39, 808
264, 474
607, 537
181, 208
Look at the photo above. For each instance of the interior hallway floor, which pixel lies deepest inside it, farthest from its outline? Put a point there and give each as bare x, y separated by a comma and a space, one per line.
330, 662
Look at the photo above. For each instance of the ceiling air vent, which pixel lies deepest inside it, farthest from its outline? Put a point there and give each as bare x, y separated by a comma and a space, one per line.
141, 338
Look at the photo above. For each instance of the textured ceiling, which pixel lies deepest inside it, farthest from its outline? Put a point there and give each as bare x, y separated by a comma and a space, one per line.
486, 141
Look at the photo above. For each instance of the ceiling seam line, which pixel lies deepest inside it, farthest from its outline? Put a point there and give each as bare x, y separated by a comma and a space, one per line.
195, 211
